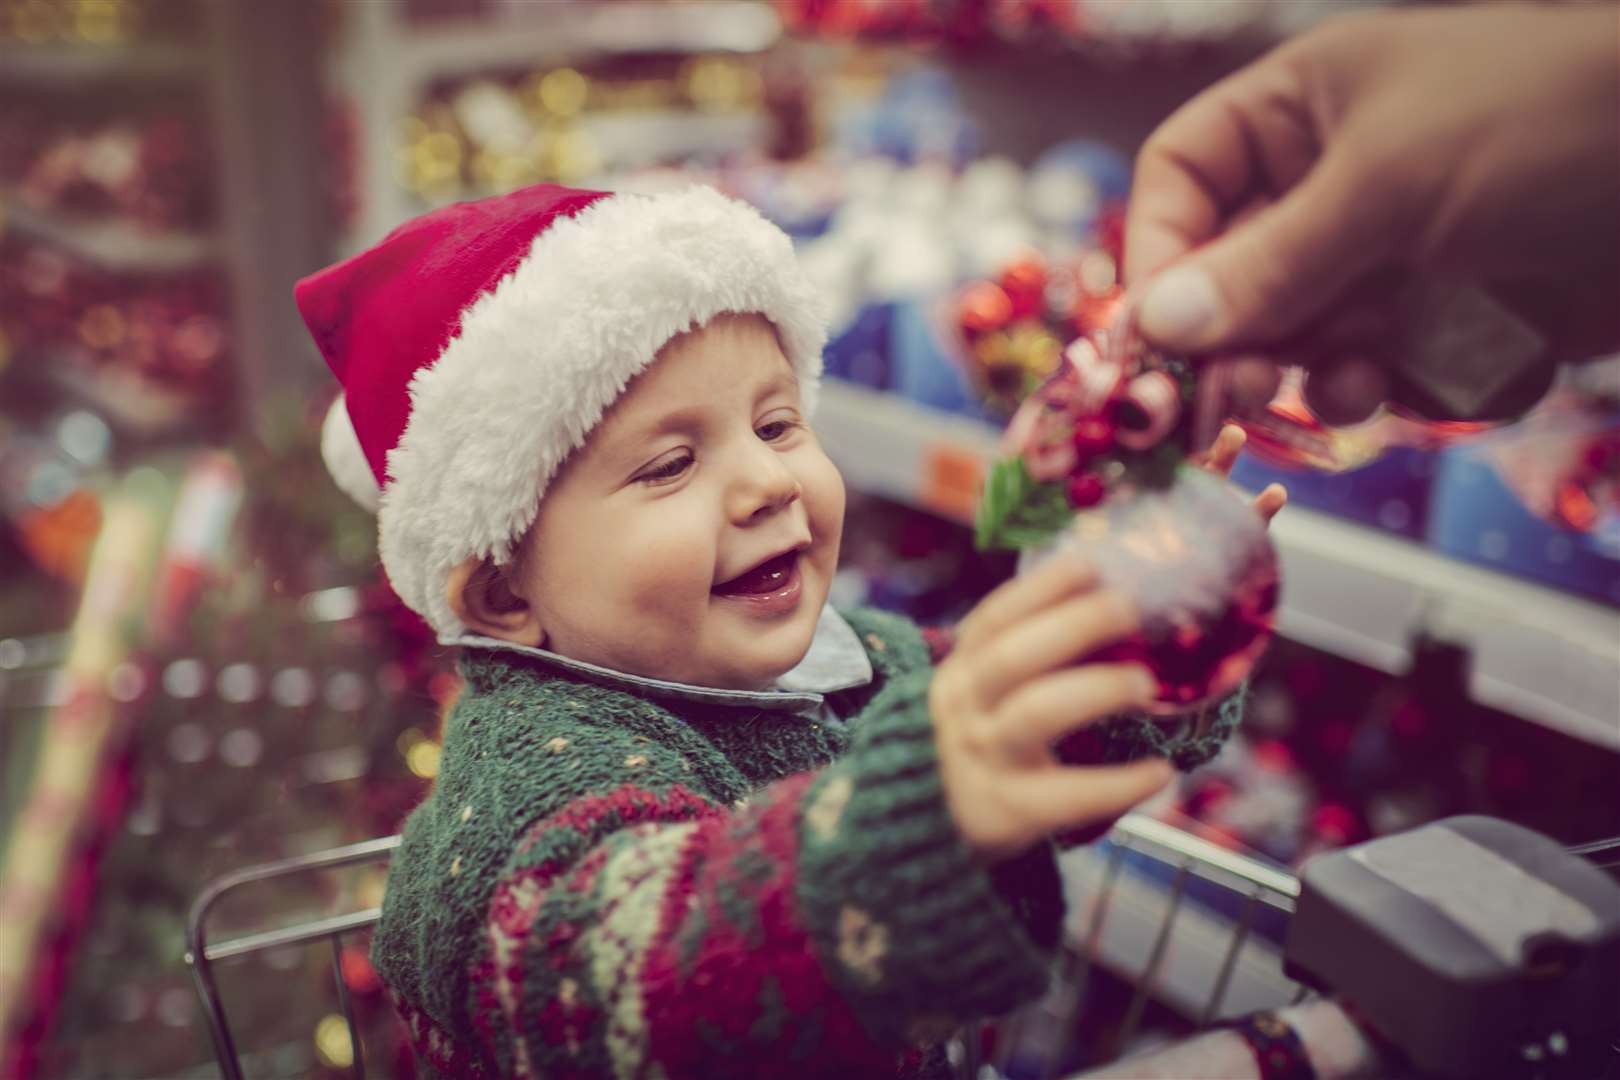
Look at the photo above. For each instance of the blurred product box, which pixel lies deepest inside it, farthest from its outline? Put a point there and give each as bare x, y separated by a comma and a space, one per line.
923, 371
860, 352
1481, 510
1391, 493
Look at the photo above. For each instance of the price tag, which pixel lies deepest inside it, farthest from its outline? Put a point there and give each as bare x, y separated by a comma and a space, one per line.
952, 479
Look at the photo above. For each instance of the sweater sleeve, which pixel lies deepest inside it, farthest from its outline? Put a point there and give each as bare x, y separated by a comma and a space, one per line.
830, 922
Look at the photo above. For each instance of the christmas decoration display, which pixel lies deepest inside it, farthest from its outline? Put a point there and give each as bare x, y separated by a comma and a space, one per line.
148, 170
1097, 464
566, 124
148, 348
78, 791
1150, 28
1540, 499
271, 700
909, 20
95, 23
46, 491
1333, 753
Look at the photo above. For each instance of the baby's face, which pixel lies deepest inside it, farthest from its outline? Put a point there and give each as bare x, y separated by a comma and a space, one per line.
694, 536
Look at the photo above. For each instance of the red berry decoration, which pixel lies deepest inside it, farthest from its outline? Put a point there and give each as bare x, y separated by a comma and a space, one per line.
1093, 436
1086, 490
1198, 563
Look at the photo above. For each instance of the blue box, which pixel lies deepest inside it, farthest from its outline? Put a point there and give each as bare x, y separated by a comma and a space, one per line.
924, 372
1391, 493
1475, 516
860, 352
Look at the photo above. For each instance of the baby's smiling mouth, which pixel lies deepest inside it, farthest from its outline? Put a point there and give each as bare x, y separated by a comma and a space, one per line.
772, 575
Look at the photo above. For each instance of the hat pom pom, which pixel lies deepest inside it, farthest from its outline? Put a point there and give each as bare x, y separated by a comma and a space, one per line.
345, 460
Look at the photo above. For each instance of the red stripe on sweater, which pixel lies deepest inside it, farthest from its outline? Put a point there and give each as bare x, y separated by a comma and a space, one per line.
431, 1043
708, 978
518, 899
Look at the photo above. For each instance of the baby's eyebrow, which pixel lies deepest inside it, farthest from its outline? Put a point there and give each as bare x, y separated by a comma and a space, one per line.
627, 440
784, 380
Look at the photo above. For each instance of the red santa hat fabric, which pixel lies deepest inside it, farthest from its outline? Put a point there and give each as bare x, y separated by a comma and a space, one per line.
479, 345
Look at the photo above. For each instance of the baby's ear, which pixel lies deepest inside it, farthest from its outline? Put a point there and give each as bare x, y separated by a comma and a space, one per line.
481, 595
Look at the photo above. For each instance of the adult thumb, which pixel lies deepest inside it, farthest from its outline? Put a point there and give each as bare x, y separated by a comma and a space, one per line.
1268, 275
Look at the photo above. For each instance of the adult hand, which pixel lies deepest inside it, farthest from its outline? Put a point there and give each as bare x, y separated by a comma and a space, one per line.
1275, 216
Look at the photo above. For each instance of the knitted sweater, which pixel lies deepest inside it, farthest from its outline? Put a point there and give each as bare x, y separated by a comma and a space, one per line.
602, 883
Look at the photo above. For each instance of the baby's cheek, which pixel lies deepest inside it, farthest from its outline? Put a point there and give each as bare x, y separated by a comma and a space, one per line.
669, 570
824, 495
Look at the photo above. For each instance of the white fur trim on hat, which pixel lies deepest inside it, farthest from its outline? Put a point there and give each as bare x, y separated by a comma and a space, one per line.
540, 358
345, 460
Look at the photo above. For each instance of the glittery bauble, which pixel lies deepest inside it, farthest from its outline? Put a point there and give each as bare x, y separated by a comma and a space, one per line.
1197, 561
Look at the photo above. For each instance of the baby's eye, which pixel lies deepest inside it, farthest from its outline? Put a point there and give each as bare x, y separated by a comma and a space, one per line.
668, 469
773, 430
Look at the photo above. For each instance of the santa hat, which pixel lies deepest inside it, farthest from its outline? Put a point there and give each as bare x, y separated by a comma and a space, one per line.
479, 345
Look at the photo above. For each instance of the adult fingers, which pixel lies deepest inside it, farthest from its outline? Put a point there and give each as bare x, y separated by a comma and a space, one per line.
1267, 277
1346, 389
1050, 638
1245, 136
1052, 581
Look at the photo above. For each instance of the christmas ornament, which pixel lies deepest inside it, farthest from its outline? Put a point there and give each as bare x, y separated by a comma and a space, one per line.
1097, 465
1197, 563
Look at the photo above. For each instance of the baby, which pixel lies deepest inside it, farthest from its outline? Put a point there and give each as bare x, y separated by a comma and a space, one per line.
689, 820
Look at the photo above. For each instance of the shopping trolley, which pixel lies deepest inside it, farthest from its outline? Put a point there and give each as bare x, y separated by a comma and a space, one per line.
1187, 924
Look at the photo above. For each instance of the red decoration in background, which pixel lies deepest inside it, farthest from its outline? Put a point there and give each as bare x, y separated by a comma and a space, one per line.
358, 974
983, 307
150, 172
167, 328
956, 21
1024, 283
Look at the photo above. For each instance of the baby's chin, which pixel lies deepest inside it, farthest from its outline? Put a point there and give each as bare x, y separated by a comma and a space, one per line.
761, 667
734, 669
760, 676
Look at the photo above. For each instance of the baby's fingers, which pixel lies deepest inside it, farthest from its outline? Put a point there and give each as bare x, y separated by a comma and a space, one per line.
1044, 710
1049, 639
1271, 500
1223, 454
1060, 799
1047, 584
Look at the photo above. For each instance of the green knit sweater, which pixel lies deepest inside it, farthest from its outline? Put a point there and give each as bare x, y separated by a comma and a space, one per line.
602, 885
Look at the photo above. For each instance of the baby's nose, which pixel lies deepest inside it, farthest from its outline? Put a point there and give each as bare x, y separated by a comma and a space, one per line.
763, 488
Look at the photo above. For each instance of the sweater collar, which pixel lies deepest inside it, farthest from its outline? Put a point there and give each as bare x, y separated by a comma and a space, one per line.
836, 661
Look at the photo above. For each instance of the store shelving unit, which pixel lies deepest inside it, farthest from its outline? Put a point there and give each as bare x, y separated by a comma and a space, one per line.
1547, 656
114, 245
270, 227
387, 63
66, 65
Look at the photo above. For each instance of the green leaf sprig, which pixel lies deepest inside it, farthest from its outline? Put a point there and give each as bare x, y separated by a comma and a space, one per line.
1018, 511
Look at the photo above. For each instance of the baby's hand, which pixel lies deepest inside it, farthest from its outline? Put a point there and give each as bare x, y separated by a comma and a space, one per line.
1010, 689
1220, 458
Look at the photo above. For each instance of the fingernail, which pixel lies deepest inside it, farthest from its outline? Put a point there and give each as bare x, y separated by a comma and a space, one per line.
1179, 307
